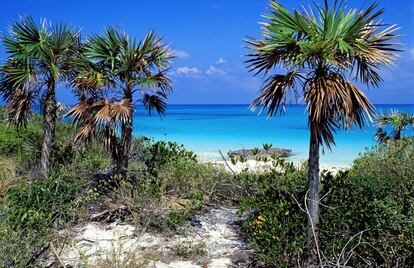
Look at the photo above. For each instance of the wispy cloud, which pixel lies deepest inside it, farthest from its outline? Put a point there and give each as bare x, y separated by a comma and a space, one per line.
181, 54
214, 70
221, 61
186, 71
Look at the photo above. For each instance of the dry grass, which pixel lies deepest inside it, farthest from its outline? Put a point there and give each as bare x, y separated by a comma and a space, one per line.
8, 176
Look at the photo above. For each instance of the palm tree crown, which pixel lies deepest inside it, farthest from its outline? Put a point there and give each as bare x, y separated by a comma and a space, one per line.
115, 68
39, 57
320, 49
398, 121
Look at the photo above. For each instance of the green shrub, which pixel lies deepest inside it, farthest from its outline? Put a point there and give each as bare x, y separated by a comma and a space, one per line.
31, 214
374, 199
367, 213
161, 153
196, 181
276, 226
13, 141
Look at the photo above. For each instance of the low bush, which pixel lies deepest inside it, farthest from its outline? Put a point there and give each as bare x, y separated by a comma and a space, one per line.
276, 227
367, 213
374, 202
32, 212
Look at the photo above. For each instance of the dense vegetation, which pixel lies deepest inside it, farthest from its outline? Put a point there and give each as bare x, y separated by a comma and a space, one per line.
366, 217
367, 212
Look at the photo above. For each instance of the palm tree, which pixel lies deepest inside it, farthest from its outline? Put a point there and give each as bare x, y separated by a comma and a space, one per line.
125, 67
39, 58
398, 121
321, 48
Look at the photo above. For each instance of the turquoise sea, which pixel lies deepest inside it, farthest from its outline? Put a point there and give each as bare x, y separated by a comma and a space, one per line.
206, 129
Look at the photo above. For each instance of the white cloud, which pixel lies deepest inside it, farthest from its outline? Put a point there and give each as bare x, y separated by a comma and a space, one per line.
214, 70
221, 61
181, 54
188, 70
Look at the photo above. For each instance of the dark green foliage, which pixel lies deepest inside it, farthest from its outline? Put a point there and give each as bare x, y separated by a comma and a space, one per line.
152, 156
163, 152
16, 142
276, 227
376, 197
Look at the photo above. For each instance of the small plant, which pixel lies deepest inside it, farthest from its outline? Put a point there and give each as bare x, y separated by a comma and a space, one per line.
255, 151
190, 250
267, 146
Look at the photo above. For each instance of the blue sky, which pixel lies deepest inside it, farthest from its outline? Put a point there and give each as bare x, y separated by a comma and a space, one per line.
208, 38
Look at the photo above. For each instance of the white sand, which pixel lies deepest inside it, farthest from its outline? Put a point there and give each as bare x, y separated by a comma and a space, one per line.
256, 166
94, 242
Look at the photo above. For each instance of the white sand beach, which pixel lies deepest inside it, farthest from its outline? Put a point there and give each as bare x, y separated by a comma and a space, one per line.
257, 166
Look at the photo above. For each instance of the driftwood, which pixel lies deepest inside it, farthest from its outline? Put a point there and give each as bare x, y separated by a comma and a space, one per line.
225, 161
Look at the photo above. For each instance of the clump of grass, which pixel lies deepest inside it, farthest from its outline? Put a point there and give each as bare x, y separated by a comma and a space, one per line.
117, 258
189, 250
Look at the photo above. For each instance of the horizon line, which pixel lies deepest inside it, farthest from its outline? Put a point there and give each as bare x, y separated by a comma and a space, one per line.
247, 104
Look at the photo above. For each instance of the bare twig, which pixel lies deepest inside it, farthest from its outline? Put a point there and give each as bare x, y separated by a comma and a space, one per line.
56, 255
225, 161
313, 228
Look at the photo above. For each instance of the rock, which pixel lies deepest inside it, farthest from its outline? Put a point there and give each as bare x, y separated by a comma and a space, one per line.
248, 153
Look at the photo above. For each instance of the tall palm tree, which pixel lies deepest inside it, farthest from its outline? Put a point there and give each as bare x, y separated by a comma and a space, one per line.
321, 48
124, 67
398, 121
39, 58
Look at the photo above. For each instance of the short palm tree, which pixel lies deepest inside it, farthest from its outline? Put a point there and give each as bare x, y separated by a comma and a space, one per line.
398, 121
115, 67
39, 58
321, 48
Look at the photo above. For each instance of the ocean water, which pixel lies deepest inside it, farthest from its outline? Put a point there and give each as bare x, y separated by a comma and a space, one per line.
206, 129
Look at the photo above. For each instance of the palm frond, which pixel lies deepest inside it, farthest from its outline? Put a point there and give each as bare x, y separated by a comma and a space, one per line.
155, 102
335, 103
274, 92
20, 108
121, 112
99, 119
381, 136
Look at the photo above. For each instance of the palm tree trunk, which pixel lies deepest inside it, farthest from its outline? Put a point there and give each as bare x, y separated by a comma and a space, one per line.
313, 197
49, 128
397, 135
123, 159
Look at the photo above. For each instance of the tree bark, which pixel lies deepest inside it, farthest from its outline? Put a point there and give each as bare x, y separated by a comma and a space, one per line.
49, 128
313, 197
126, 138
